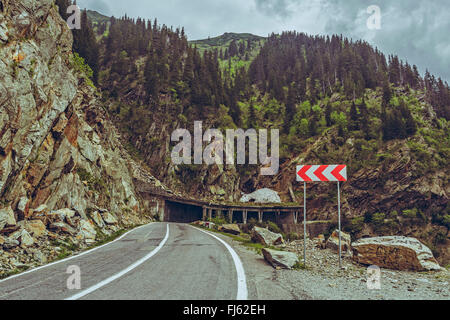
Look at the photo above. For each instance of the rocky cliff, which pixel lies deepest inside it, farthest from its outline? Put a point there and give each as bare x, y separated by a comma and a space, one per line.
64, 175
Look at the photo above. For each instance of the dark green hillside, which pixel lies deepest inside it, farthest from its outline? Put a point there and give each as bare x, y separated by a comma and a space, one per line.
225, 40
96, 17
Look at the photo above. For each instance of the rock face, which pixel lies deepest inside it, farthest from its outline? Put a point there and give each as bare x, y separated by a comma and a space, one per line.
61, 158
262, 196
333, 241
266, 237
399, 253
281, 259
35, 228
57, 144
7, 217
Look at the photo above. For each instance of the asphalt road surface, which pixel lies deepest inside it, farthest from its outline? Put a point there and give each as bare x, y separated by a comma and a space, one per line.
158, 261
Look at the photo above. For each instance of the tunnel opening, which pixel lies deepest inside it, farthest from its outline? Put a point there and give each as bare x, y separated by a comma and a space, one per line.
237, 217
182, 213
270, 216
252, 215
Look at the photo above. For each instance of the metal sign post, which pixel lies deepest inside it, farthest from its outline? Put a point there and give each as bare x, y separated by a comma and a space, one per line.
325, 173
339, 223
304, 223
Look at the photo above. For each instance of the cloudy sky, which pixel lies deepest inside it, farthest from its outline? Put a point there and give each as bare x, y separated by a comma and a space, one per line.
416, 30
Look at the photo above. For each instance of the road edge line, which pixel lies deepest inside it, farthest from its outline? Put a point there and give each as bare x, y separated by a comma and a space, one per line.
121, 273
83, 253
242, 292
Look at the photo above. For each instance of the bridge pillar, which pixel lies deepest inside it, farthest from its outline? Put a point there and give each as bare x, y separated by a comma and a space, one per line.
204, 214
230, 216
210, 213
244, 216
260, 216
295, 217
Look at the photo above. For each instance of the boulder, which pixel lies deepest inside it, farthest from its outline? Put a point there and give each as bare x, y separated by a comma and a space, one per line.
10, 244
41, 210
333, 241
98, 219
40, 257
23, 237
87, 232
7, 217
281, 259
320, 241
262, 196
395, 252
109, 218
40, 213
266, 237
23, 207
61, 215
61, 227
231, 228
35, 227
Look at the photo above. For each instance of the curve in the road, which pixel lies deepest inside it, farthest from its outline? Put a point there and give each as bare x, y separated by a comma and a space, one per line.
242, 292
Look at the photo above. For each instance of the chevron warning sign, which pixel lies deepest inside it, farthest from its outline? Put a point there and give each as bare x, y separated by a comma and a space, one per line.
325, 173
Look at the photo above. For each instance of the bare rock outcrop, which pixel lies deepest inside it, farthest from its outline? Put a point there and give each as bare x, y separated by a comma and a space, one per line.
394, 252
264, 195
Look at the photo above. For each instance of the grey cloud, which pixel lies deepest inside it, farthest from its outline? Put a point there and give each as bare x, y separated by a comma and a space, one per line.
275, 7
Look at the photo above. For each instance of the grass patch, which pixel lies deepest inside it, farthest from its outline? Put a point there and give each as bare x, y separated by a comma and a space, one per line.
13, 272
299, 266
243, 239
105, 239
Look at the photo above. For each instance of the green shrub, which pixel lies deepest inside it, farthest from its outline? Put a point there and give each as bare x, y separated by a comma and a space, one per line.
355, 225
273, 227
446, 220
219, 220
81, 67
292, 236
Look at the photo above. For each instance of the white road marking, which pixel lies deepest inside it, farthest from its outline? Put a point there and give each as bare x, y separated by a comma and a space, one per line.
75, 256
242, 292
121, 273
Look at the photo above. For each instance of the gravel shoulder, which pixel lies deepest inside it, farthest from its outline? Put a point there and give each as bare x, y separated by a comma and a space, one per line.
323, 280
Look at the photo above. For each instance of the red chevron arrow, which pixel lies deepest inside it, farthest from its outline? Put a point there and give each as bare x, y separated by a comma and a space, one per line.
302, 173
337, 173
319, 174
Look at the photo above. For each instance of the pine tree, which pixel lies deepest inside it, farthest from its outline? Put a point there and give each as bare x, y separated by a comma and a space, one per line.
354, 118
409, 123
328, 115
85, 44
290, 109
364, 120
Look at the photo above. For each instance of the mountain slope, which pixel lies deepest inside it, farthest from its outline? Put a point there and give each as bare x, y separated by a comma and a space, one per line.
334, 101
